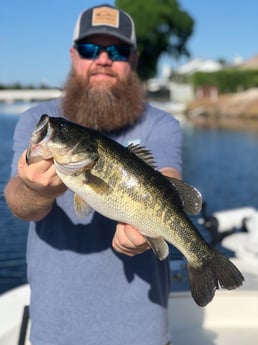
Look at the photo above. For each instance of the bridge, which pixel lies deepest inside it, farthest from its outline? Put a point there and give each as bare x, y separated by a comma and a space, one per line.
27, 95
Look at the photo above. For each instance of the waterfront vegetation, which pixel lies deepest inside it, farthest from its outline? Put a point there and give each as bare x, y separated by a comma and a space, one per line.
227, 80
20, 86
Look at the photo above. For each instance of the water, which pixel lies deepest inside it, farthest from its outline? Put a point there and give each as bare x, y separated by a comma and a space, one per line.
222, 164
13, 232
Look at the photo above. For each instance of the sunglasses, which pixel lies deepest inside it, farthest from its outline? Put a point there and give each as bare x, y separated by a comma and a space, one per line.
116, 52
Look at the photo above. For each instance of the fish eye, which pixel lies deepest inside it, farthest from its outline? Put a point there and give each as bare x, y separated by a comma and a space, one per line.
63, 126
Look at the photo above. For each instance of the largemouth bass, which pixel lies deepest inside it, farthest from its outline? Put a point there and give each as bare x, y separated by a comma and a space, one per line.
122, 184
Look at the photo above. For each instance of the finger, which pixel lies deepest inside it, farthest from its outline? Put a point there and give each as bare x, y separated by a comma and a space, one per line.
128, 236
40, 167
128, 240
130, 251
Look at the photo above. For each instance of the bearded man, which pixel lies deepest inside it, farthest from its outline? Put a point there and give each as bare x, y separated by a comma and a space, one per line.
88, 285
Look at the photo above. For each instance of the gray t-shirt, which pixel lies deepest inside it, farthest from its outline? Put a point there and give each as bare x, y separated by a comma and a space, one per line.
83, 292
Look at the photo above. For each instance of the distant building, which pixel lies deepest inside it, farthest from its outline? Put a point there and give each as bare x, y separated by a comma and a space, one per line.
210, 92
165, 89
199, 65
202, 65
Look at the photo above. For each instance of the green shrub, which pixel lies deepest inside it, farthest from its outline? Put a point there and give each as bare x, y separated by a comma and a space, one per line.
227, 80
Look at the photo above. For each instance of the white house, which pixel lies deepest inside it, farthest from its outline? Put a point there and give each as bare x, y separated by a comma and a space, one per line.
199, 65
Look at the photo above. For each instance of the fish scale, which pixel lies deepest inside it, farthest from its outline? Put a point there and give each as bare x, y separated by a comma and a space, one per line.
132, 201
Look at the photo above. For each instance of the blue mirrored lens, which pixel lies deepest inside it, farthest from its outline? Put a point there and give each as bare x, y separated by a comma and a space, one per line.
88, 50
115, 52
118, 52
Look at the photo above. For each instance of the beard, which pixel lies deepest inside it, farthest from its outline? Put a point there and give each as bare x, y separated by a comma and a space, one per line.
103, 106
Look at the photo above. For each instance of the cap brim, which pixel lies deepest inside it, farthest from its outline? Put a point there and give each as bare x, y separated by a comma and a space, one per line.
103, 31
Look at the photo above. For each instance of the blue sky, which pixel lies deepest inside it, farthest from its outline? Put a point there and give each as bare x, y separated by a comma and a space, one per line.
35, 36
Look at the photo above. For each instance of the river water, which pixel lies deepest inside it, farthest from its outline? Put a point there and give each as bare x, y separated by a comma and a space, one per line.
222, 164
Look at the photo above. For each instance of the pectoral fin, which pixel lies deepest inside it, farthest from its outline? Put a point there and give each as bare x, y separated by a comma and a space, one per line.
159, 247
97, 184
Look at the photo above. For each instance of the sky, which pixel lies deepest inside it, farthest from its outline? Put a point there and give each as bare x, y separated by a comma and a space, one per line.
35, 36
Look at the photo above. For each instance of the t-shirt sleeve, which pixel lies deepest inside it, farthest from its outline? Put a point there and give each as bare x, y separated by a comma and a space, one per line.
165, 140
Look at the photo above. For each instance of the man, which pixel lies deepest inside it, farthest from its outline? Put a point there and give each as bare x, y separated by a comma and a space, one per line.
88, 286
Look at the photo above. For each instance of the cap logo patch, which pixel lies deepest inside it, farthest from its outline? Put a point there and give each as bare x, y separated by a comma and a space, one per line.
105, 16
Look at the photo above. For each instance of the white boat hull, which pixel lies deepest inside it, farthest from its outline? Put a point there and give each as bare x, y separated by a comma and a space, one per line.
231, 318
11, 311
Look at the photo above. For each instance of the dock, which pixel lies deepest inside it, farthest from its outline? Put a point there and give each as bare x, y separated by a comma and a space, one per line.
29, 95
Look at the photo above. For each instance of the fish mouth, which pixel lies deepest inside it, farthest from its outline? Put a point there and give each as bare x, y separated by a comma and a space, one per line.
42, 131
41, 135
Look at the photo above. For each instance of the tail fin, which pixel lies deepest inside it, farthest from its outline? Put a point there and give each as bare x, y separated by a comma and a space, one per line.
217, 272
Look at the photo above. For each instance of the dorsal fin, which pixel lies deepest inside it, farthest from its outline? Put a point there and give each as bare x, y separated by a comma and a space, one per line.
190, 196
143, 153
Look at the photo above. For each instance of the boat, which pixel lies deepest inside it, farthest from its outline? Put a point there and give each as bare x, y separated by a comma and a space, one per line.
14, 318
230, 318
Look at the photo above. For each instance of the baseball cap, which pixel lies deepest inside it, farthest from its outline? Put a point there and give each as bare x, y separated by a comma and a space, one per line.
108, 20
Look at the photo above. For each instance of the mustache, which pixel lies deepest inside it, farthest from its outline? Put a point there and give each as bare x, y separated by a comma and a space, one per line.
103, 70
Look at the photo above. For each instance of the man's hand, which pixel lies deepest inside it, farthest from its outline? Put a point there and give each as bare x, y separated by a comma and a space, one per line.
40, 177
127, 240
30, 194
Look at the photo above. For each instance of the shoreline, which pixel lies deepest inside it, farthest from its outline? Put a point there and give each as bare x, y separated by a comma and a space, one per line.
230, 111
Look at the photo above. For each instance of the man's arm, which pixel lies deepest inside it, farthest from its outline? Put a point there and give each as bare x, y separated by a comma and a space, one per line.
30, 194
